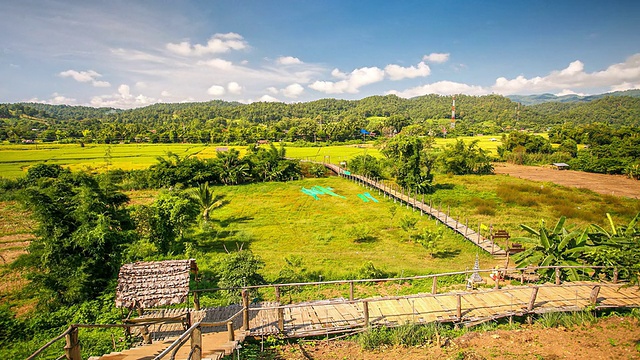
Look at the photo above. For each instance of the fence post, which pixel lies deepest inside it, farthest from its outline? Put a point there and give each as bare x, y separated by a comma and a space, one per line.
521, 273
277, 291
365, 309
350, 290
459, 306
196, 343
557, 276
478, 232
466, 227
497, 286
196, 301
593, 299
434, 285
615, 275
245, 310
72, 347
281, 319
532, 300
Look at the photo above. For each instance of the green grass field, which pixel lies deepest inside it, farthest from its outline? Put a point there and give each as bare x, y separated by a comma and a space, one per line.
276, 220
16, 159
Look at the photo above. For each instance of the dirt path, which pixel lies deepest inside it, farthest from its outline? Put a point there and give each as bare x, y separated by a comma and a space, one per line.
611, 338
617, 185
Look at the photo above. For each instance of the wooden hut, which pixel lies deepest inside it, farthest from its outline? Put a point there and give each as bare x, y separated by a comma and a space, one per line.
560, 166
155, 283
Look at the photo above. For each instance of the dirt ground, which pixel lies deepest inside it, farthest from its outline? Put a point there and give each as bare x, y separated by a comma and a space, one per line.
610, 338
617, 185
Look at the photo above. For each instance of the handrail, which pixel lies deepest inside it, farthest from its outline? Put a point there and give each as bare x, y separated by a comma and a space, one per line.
102, 326
51, 342
416, 296
178, 342
417, 277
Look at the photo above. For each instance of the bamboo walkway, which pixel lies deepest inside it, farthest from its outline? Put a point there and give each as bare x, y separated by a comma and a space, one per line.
326, 317
467, 232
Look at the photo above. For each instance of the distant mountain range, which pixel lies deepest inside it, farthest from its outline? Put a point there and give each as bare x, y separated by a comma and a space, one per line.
543, 98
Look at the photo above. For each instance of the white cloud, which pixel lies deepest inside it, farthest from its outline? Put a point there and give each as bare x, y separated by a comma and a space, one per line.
352, 83
85, 76
122, 99
165, 93
293, 90
216, 90
218, 43
397, 72
625, 86
58, 99
442, 88
272, 90
569, 92
217, 63
288, 60
437, 58
338, 74
268, 98
574, 77
234, 88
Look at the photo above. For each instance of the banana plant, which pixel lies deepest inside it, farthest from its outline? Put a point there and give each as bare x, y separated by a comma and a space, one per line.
554, 247
619, 246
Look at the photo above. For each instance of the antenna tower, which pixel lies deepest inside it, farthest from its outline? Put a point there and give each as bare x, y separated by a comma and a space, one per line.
453, 112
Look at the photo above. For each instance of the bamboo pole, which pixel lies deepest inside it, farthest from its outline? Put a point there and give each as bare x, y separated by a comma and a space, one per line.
593, 298
532, 300
230, 332
72, 346
434, 285
245, 310
365, 309
196, 343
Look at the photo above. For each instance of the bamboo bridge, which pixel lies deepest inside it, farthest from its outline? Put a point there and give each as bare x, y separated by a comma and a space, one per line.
399, 194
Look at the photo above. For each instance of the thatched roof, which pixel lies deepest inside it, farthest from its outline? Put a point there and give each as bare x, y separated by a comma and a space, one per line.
154, 283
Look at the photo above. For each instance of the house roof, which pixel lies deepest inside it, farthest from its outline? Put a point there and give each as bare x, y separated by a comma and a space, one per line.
154, 283
560, 164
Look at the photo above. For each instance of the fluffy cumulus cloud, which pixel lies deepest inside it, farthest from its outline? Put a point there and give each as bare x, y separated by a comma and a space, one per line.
437, 58
397, 72
56, 99
123, 99
89, 76
218, 43
352, 82
220, 64
216, 90
292, 91
234, 88
442, 88
623, 75
288, 60
268, 98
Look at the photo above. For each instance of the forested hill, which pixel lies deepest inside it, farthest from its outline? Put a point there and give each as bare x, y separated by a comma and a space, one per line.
572, 98
326, 119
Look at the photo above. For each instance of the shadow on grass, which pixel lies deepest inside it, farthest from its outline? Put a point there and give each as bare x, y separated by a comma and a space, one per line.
223, 223
365, 239
446, 254
444, 186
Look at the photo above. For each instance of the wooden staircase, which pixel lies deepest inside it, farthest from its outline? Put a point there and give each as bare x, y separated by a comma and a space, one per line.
215, 346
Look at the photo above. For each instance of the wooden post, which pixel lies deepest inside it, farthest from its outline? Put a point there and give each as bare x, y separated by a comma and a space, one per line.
448, 211
557, 276
466, 227
72, 347
146, 337
365, 309
277, 291
615, 275
196, 343
593, 298
196, 301
281, 319
478, 232
521, 273
532, 300
245, 310
350, 290
459, 306
232, 335
497, 286
434, 285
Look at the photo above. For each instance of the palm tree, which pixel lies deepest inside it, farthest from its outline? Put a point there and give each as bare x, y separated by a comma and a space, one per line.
206, 200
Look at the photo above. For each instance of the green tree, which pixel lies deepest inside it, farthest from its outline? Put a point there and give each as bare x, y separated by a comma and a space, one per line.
83, 228
206, 200
412, 164
460, 159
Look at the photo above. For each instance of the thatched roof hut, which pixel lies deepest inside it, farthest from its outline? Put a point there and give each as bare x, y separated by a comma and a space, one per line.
154, 283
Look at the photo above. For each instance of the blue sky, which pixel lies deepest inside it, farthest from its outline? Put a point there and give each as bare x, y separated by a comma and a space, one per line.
128, 54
